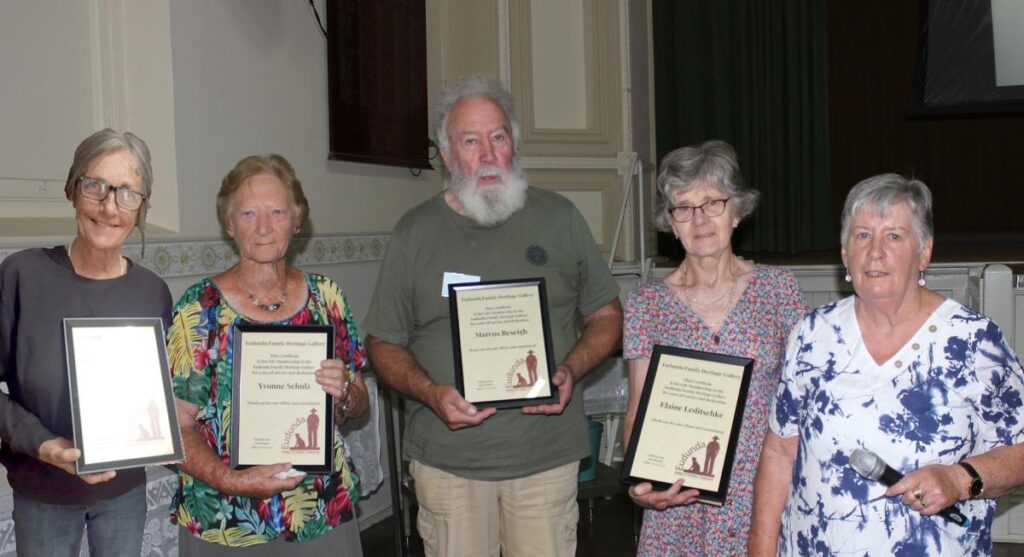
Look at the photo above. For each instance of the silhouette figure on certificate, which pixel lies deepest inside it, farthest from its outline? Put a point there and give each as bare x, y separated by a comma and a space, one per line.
694, 466
299, 443
154, 419
709, 456
312, 421
153, 411
531, 366
522, 381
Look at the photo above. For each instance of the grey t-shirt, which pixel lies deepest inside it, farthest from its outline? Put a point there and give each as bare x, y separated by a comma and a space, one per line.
38, 288
548, 238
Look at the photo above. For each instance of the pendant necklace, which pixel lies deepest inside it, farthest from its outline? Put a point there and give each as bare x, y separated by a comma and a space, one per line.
712, 305
715, 303
269, 308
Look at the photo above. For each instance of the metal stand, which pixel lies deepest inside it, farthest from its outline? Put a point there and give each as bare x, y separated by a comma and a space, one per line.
401, 487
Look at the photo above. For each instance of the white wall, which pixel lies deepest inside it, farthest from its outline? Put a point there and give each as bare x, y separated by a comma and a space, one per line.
251, 77
205, 83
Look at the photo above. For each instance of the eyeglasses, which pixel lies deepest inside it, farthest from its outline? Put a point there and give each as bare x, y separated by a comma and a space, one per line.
710, 208
126, 198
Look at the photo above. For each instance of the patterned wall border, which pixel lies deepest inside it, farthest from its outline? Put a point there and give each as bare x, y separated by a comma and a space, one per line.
207, 257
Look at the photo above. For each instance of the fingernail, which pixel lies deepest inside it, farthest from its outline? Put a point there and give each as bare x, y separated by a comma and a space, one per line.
472, 410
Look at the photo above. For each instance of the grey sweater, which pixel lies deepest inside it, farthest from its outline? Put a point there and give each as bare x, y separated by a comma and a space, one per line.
38, 288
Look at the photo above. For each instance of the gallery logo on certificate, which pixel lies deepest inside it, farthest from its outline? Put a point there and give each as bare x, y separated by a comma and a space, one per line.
519, 378
699, 459
303, 439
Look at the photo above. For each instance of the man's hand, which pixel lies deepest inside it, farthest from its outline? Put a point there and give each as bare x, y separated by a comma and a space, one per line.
61, 453
602, 330
455, 411
562, 379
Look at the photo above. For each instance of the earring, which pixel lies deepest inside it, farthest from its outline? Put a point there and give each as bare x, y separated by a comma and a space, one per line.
848, 278
921, 281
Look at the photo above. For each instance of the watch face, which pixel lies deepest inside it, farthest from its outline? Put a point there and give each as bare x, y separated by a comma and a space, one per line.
976, 487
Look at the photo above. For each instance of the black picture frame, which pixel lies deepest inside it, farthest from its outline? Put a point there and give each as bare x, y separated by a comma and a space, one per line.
524, 331
377, 82
956, 69
268, 414
677, 415
129, 353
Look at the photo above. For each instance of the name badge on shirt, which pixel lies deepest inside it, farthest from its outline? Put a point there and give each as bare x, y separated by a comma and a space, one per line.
455, 278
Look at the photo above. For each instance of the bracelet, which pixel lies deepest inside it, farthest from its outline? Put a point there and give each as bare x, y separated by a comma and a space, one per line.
347, 387
343, 408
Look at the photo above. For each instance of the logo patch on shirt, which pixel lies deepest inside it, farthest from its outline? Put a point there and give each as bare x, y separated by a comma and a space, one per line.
536, 255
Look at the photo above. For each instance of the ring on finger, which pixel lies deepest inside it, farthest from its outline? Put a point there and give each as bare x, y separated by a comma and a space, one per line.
919, 495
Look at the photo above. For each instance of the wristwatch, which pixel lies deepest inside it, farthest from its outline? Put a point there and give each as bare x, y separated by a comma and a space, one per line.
976, 487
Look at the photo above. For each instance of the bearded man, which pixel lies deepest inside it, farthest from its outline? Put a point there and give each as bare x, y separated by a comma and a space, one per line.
487, 481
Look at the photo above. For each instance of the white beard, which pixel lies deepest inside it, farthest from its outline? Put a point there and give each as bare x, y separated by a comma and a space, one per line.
490, 205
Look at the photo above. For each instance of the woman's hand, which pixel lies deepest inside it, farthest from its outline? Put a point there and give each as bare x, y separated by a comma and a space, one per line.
262, 481
643, 494
202, 463
350, 396
61, 453
333, 377
931, 488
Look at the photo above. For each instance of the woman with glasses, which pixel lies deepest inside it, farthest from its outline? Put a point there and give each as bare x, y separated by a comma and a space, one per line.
713, 302
109, 185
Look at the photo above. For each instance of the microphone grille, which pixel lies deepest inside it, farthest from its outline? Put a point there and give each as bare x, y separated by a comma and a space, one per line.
867, 464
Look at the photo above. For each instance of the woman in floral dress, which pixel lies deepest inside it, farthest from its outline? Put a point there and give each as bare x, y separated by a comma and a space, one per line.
714, 302
261, 206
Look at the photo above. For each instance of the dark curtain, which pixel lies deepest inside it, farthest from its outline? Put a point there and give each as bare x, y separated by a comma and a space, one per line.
753, 73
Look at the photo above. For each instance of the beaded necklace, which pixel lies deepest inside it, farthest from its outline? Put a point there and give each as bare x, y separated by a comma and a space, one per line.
269, 308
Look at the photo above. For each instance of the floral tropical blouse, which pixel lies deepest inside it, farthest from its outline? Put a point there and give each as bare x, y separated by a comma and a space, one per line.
952, 391
200, 354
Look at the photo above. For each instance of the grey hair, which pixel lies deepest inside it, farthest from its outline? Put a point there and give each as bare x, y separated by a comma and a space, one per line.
107, 141
710, 163
470, 87
885, 191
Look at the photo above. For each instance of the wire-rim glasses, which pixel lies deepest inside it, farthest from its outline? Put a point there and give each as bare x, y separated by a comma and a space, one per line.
126, 198
710, 208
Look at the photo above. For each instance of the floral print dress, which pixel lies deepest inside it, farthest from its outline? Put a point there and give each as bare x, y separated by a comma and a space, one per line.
200, 355
954, 390
756, 327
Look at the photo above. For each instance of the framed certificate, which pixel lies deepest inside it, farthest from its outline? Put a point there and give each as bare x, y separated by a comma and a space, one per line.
502, 342
688, 421
279, 413
122, 405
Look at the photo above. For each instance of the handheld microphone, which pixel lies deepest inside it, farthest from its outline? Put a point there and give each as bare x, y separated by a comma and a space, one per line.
870, 466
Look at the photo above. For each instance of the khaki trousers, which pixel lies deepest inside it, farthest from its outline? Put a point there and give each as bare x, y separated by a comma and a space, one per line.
526, 517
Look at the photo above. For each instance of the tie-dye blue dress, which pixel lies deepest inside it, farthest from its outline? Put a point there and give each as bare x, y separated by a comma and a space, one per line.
954, 390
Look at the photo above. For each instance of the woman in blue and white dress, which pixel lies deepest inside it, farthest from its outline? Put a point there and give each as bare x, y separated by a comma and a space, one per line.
928, 385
